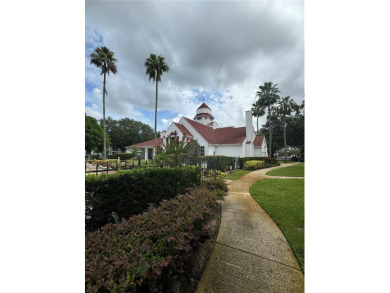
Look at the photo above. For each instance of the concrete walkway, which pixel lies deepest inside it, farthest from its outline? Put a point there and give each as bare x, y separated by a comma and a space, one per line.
251, 254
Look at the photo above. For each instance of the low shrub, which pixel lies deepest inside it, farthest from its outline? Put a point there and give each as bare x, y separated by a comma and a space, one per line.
143, 253
216, 185
123, 156
253, 165
216, 174
131, 192
221, 163
266, 160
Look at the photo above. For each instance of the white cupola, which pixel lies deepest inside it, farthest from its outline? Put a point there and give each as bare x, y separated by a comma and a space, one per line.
204, 116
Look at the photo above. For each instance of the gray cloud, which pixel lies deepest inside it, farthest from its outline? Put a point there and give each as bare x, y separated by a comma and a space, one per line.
230, 47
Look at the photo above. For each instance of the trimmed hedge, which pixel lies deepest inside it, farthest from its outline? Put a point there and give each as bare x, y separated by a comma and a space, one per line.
123, 156
221, 163
143, 253
266, 160
127, 193
253, 165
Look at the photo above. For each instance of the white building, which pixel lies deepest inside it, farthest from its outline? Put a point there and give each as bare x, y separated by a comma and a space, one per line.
214, 141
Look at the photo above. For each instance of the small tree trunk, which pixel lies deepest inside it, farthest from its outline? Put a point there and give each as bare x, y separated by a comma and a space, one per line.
104, 117
155, 118
285, 150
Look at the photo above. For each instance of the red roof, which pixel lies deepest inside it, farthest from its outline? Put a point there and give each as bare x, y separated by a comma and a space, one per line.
149, 143
225, 135
258, 140
204, 114
203, 106
183, 129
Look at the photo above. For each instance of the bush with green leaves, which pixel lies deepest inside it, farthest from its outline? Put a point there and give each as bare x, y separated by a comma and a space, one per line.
253, 165
131, 192
221, 163
143, 253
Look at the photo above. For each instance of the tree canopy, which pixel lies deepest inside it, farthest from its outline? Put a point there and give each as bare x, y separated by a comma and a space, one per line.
125, 132
94, 135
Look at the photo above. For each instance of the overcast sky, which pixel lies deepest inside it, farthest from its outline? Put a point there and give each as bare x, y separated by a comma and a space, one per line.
218, 53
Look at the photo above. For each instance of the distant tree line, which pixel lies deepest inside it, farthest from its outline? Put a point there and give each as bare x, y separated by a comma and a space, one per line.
119, 133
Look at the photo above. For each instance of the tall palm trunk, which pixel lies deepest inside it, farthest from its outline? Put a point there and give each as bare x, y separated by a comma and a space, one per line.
285, 146
270, 131
257, 125
155, 119
104, 117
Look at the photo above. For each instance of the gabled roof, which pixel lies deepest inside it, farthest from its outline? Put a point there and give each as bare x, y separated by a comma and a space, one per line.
258, 140
203, 106
225, 135
149, 143
183, 129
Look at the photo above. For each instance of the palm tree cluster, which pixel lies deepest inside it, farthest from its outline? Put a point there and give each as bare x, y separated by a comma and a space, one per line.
155, 65
269, 101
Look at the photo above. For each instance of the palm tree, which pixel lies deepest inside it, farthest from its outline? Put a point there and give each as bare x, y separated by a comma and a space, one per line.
155, 67
267, 96
257, 111
285, 107
104, 58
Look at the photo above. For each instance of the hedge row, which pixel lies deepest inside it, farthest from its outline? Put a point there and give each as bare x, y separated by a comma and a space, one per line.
123, 156
253, 165
266, 160
143, 253
221, 163
127, 193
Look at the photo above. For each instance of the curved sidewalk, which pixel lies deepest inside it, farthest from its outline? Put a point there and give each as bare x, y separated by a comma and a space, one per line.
251, 254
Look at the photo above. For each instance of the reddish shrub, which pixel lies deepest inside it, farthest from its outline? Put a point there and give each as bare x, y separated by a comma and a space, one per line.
144, 251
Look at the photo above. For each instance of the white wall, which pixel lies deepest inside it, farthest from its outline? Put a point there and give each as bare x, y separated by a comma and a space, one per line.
229, 150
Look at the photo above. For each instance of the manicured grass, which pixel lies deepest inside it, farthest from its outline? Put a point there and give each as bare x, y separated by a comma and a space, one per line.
237, 174
291, 171
283, 200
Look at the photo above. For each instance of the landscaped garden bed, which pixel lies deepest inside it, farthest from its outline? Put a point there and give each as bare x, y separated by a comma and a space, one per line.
127, 193
163, 249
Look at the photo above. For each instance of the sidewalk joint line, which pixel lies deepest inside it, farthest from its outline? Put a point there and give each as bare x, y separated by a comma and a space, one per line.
258, 256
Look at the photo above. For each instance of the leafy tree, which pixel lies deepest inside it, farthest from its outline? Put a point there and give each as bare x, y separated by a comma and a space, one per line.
175, 150
267, 96
295, 130
285, 107
94, 135
125, 132
103, 58
155, 67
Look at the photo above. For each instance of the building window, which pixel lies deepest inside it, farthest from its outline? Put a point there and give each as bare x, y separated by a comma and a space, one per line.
202, 150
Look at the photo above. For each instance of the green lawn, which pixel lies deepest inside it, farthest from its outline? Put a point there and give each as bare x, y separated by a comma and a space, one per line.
237, 174
290, 171
283, 200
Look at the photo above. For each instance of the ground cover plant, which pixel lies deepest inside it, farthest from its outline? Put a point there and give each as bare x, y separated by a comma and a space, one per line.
127, 193
237, 174
142, 254
283, 200
282, 162
290, 171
